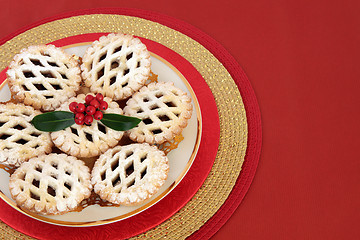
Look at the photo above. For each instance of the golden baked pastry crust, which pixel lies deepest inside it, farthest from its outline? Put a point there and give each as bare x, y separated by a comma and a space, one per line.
131, 174
51, 184
87, 141
43, 76
116, 65
164, 110
19, 139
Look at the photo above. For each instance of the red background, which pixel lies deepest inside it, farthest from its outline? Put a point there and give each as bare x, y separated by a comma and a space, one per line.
301, 58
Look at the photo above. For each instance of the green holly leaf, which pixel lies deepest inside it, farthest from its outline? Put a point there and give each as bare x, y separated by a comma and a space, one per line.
119, 122
53, 121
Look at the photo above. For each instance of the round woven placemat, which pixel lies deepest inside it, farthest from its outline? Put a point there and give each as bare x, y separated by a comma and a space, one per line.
233, 124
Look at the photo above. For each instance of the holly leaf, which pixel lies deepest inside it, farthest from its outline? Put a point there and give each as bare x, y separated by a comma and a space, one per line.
53, 121
119, 122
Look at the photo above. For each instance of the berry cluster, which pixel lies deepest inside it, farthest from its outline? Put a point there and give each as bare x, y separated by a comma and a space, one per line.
86, 113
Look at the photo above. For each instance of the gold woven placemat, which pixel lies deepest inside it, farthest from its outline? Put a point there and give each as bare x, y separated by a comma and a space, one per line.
233, 124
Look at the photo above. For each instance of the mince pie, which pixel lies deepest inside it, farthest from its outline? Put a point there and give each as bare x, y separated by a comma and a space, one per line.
43, 76
164, 110
51, 184
130, 174
116, 65
87, 141
19, 139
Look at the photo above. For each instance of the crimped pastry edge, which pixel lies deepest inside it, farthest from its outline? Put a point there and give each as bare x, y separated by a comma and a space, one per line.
30, 99
135, 195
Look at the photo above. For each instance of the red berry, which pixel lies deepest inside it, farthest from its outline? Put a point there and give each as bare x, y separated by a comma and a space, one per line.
79, 122
79, 116
88, 119
88, 99
90, 110
95, 103
103, 105
98, 115
72, 106
80, 108
99, 97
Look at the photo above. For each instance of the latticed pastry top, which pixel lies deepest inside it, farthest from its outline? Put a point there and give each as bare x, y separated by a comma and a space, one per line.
87, 141
51, 184
164, 110
130, 174
116, 65
43, 76
19, 139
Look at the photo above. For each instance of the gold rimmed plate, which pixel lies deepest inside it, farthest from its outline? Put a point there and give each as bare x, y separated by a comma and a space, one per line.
181, 158
214, 77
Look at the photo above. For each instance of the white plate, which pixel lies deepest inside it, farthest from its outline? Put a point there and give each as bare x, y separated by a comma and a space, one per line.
180, 158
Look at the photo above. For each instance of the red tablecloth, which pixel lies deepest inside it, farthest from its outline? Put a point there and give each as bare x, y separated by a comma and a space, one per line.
301, 58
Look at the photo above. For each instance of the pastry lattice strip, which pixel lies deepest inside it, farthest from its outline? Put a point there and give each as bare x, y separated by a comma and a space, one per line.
20, 132
130, 174
50, 180
164, 110
96, 132
158, 115
116, 65
45, 182
117, 61
127, 172
37, 67
43, 76
84, 140
19, 140
51, 184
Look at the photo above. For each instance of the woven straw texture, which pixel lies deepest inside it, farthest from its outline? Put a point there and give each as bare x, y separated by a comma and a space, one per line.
233, 124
